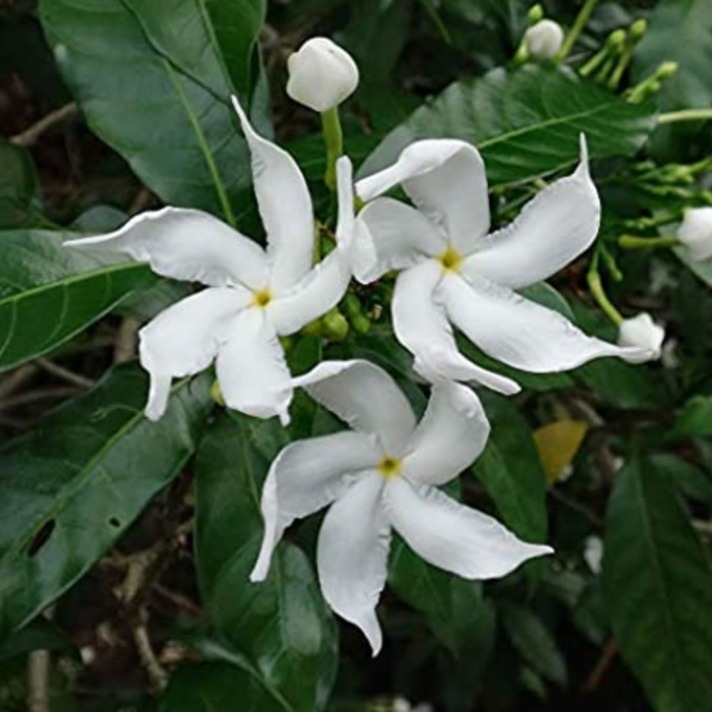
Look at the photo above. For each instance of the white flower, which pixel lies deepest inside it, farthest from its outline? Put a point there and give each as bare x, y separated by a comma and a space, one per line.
695, 233
643, 332
544, 40
253, 295
453, 271
381, 475
593, 553
321, 74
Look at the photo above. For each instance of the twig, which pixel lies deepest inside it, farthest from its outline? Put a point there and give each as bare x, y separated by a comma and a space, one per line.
577, 506
141, 201
30, 135
17, 379
608, 655
179, 600
65, 373
156, 674
126, 340
38, 395
38, 670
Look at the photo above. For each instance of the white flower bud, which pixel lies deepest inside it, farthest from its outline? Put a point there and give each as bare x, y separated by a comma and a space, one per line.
695, 233
544, 40
321, 74
643, 332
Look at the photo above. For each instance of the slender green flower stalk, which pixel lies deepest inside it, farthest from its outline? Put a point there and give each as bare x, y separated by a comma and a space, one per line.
596, 286
334, 141
633, 242
576, 29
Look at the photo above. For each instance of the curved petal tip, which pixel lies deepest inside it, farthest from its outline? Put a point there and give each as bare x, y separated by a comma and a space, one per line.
583, 167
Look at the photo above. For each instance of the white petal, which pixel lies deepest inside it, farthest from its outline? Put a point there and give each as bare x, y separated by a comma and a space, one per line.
185, 338
352, 556
446, 179
252, 372
365, 397
321, 289
450, 437
519, 332
188, 245
306, 476
421, 326
345, 196
554, 228
285, 207
390, 235
454, 537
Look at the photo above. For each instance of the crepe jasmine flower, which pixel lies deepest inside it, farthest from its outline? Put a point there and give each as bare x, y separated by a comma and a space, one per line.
695, 233
453, 270
381, 475
642, 331
544, 39
321, 74
253, 295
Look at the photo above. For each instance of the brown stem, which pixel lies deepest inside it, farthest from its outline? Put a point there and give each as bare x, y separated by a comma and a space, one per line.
29, 136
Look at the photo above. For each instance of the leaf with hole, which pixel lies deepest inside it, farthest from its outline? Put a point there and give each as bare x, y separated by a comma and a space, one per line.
71, 486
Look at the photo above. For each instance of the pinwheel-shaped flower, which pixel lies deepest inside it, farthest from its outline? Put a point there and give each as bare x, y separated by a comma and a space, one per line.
381, 475
452, 270
253, 295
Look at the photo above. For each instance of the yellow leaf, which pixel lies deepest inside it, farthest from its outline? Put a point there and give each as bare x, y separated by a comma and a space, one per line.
558, 443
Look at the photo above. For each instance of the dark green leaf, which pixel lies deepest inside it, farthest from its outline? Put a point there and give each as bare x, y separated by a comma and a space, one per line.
217, 687
20, 195
534, 643
49, 293
152, 85
658, 584
40, 634
281, 626
69, 488
695, 420
511, 471
526, 123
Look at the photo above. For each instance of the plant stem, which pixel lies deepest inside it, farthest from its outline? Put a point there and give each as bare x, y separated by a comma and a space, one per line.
631, 242
579, 23
595, 285
685, 115
334, 141
29, 136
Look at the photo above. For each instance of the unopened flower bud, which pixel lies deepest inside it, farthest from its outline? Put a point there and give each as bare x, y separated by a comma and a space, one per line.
535, 14
695, 233
544, 39
643, 332
667, 70
361, 324
321, 74
616, 39
638, 29
335, 325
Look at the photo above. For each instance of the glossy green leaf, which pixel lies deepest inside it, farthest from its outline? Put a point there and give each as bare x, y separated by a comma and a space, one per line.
219, 687
153, 86
511, 470
49, 293
658, 584
237, 26
282, 626
526, 123
534, 643
695, 419
71, 487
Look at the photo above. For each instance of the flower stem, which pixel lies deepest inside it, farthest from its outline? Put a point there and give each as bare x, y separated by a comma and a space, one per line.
334, 141
631, 242
596, 286
685, 115
579, 23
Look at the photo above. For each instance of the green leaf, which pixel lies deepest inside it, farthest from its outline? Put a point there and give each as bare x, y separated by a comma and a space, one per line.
526, 123
658, 584
703, 270
49, 293
281, 626
533, 641
237, 26
453, 607
153, 86
695, 419
20, 193
511, 471
216, 687
72, 486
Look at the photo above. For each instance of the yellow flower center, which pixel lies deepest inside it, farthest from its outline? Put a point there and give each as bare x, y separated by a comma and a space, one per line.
261, 298
389, 467
451, 260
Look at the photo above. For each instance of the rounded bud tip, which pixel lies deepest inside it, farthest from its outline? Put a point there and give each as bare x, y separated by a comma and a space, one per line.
543, 40
321, 74
695, 233
642, 332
